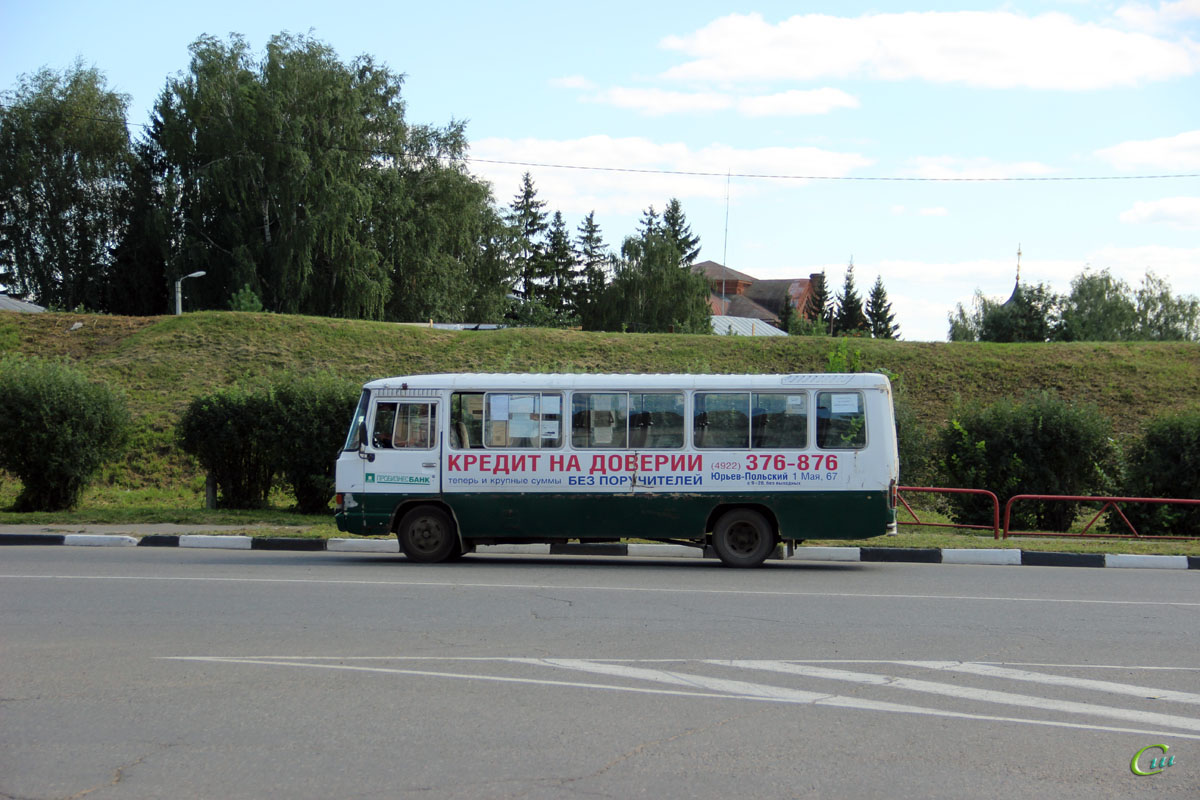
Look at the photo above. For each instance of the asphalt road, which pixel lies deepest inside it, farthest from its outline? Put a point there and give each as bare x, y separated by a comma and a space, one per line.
145, 673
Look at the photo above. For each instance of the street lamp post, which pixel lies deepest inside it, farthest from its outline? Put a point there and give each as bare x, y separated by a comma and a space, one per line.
179, 290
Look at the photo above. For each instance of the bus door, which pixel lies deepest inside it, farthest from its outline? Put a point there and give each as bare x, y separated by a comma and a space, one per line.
402, 454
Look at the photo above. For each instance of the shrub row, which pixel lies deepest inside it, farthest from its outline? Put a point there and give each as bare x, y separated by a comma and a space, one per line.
59, 428
248, 438
1043, 445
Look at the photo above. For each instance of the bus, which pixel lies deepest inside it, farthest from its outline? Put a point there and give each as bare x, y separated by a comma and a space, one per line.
738, 463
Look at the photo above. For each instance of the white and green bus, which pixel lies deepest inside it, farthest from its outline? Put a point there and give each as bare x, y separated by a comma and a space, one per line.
738, 462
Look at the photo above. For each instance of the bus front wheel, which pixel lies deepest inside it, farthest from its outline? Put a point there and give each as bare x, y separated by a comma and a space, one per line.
743, 538
427, 535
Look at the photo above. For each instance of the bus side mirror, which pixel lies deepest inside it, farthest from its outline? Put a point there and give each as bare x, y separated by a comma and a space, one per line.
362, 444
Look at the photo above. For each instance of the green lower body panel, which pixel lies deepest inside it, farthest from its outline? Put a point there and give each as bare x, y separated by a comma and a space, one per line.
550, 517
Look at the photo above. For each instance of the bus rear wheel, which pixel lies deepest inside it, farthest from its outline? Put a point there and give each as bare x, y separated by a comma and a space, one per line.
427, 535
743, 538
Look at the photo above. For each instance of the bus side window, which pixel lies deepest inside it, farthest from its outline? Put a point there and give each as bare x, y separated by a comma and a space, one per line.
385, 421
523, 420
779, 420
841, 421
416, 426
656, 421
599, 420
722, 421
466, 420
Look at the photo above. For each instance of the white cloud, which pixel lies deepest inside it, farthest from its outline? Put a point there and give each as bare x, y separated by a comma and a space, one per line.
657, 102
1171, 153
994, 49
1163, 18
1178, 212
796, 103
647, 166
953, 167
1179, 266
572, 82
924, 293
660, 101
934, 211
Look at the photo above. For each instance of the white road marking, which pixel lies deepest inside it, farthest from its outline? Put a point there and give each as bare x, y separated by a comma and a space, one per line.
1091, 666
692, 685
588, 588
966, 692
993, 671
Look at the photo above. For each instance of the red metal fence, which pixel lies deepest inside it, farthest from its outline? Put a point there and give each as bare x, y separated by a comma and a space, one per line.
1003, 531
994, 527
1110, 503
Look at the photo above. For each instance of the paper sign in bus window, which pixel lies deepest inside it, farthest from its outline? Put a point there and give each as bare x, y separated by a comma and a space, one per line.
844, 404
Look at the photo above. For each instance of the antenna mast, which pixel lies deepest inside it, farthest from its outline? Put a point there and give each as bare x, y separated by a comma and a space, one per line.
725, 246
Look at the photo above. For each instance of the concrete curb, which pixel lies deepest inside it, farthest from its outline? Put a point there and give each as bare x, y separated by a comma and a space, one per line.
1146, 562
362, 546
218, 542
982, 556
99, 540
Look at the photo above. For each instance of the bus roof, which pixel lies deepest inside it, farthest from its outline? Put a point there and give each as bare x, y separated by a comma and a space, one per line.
489, 381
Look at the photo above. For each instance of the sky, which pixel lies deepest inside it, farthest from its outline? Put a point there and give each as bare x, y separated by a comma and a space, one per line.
798, 137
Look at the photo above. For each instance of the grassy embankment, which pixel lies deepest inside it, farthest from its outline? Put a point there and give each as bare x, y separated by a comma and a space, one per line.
162, 362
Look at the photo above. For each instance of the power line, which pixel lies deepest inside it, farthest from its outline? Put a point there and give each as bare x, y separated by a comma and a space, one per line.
768, 176
705, 174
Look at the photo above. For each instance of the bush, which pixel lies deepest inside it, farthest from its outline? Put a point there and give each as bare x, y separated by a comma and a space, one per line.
1165, 462
245, 299
231, 433
245, 438
1039, 446
59, 429
311, 416
914, 443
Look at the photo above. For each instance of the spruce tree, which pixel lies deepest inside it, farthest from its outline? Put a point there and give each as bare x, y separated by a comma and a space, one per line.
527, 221
816, 308
849, 317
880, 318
595, 263
561, 267
675, 226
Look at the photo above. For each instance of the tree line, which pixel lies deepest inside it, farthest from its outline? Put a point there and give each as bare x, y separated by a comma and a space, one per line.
295, 182
1099, 308
844, 314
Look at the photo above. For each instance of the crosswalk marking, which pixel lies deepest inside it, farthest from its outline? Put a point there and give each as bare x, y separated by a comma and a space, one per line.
967, 693
993, 671
693, 678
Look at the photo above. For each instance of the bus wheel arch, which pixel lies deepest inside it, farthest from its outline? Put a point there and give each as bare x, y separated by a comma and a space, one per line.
427, 532
744, 536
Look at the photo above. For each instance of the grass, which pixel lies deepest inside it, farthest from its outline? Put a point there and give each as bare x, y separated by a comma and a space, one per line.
161, 363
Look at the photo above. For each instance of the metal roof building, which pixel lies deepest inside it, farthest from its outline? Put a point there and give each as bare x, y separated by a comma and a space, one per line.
13, 304
743, 326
